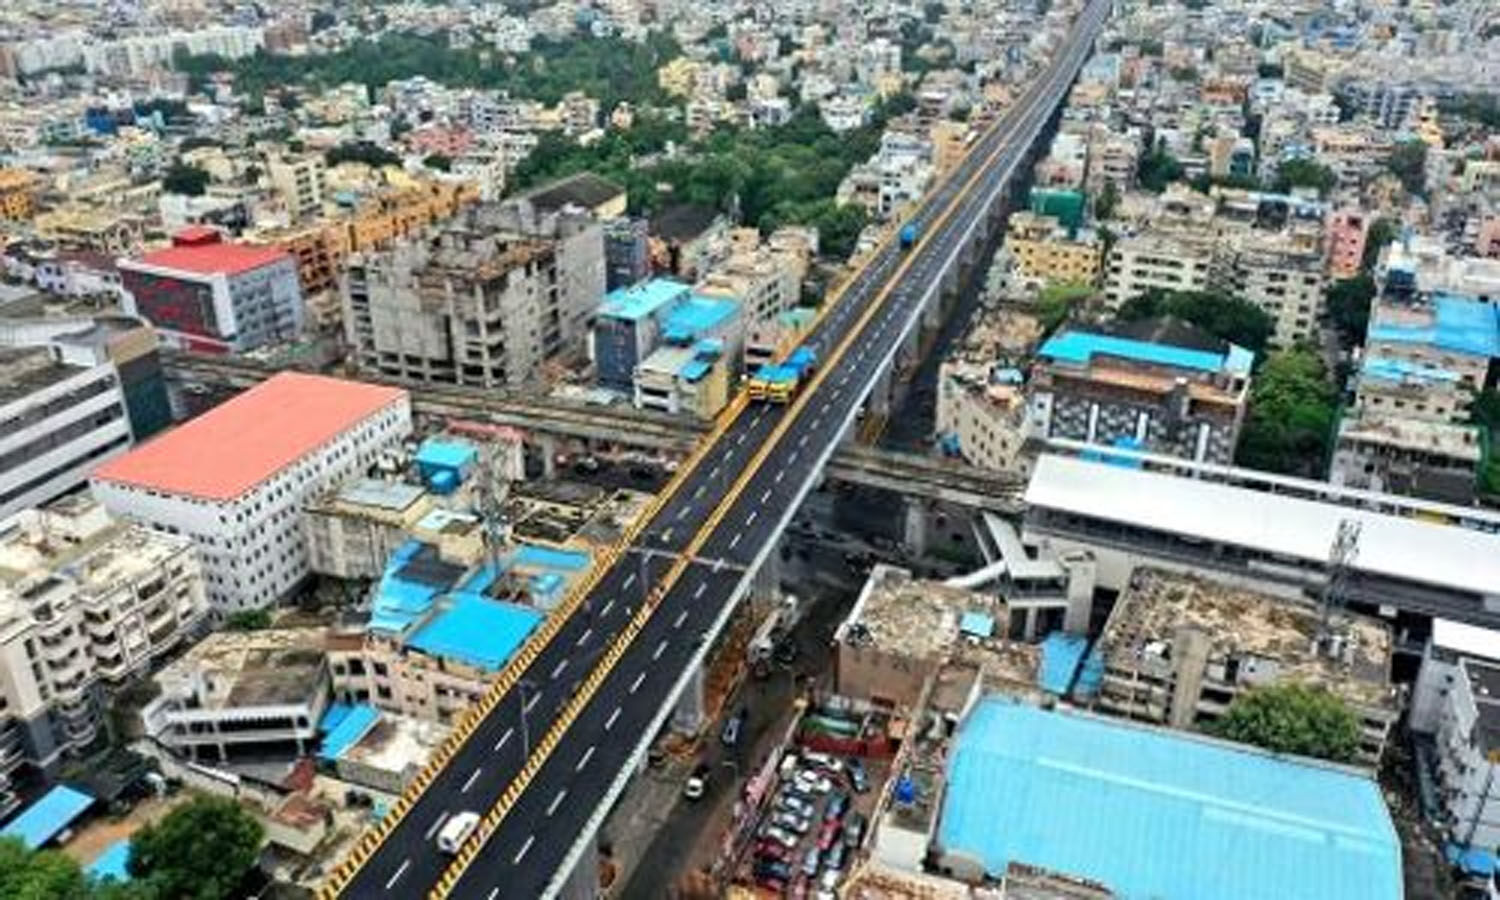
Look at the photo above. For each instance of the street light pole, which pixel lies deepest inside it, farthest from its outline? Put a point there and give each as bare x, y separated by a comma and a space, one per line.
521, 687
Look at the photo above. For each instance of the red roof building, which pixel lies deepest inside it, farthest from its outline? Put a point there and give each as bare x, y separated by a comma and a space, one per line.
204, 293
234, 478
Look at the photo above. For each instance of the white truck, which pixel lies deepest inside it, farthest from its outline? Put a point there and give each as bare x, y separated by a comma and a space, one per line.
775, 627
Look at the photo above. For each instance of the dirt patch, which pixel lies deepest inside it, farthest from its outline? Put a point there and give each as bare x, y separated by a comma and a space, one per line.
96, 837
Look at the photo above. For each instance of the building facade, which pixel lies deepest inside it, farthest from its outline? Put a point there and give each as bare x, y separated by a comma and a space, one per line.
204, 294
86, 603
484, 300
1154, 385
234, 478
1165, 262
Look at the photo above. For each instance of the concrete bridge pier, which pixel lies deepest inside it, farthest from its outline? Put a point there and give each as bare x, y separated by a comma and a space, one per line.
914, 533
548, 446
689, 715
765, 588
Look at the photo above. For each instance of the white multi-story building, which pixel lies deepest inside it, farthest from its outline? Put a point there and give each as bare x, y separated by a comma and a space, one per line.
234, 478
86, 602
253, 692
1457, 700
301, 182
57, 421
1173, 263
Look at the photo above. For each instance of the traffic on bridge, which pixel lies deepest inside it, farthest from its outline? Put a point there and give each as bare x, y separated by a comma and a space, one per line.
543, 755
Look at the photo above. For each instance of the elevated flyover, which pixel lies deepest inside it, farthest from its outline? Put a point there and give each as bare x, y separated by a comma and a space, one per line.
547, 751
905, 473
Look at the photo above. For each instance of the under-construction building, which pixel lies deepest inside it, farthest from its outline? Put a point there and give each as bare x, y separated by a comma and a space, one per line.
481, 300
1178, 649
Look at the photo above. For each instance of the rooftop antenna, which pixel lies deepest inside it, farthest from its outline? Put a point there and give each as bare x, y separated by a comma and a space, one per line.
1341, 556
492, 491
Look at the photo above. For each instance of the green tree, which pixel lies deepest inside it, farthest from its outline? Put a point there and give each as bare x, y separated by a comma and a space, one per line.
38, 875
200, 851
1291, 415
1382, 231
1057, 300
1107, 202
1408, 162
1158, 169
1221, 315
1348, 303
438, 161
367, 152
1293, 718
248, 620
1305, 173
185, 179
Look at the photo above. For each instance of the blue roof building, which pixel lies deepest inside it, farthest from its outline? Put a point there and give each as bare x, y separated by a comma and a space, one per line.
634, 322
1158, 385
1160, 815
48, 816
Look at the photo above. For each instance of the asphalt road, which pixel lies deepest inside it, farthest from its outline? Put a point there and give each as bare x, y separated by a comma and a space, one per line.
533, 840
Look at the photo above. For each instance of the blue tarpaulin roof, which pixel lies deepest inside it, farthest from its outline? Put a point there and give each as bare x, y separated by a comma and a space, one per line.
350, 728
551, 558
41, 821
1473, 860
1152, 813
333, 714
691, 320
976, 624
1460, 324
643, 299
1389, 369
111, 863
1079, 348
447, 454
483, 633
1061, 654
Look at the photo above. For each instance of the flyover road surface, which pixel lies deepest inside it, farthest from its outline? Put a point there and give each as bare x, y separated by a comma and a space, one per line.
601, 686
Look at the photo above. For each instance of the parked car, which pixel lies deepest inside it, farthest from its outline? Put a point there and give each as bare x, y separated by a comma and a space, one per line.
859, 779
697, 782
771, 850
788, 801
773, 869
833, 860
813, 782
823, 761
854, 830
810, 862
829, 835
780, 836
838, 804
731, 733
789, 822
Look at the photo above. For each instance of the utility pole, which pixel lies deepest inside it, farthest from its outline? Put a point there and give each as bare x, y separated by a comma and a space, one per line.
1341, 556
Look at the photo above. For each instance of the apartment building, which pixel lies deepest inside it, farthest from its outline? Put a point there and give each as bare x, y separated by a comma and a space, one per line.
1044, 250
1171, 262
1457, 702
764, 280
354, 528
234, 478
981, 415
1156, 385
1178, 649
1393, 454
204, 294
1438, 341
86, 603
243, 694
1285, 282
58, 419
484, 300
301, 182
1344, 234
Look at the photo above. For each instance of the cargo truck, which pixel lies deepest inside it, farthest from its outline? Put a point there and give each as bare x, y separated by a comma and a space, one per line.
778, 382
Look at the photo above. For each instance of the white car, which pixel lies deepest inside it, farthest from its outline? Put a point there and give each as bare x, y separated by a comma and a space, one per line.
457, 830
780, 836
813, 782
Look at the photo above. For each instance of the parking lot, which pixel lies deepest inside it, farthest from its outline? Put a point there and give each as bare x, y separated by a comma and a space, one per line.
813, 825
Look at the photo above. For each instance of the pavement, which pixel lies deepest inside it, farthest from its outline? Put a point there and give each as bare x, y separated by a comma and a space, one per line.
721, 522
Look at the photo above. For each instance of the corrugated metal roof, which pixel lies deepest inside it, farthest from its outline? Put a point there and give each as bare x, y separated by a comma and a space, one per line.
1079, 348
641, 300
350, 728
237, 445
212, 259
1459, 324
1156, 814
43, 820
483, 633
